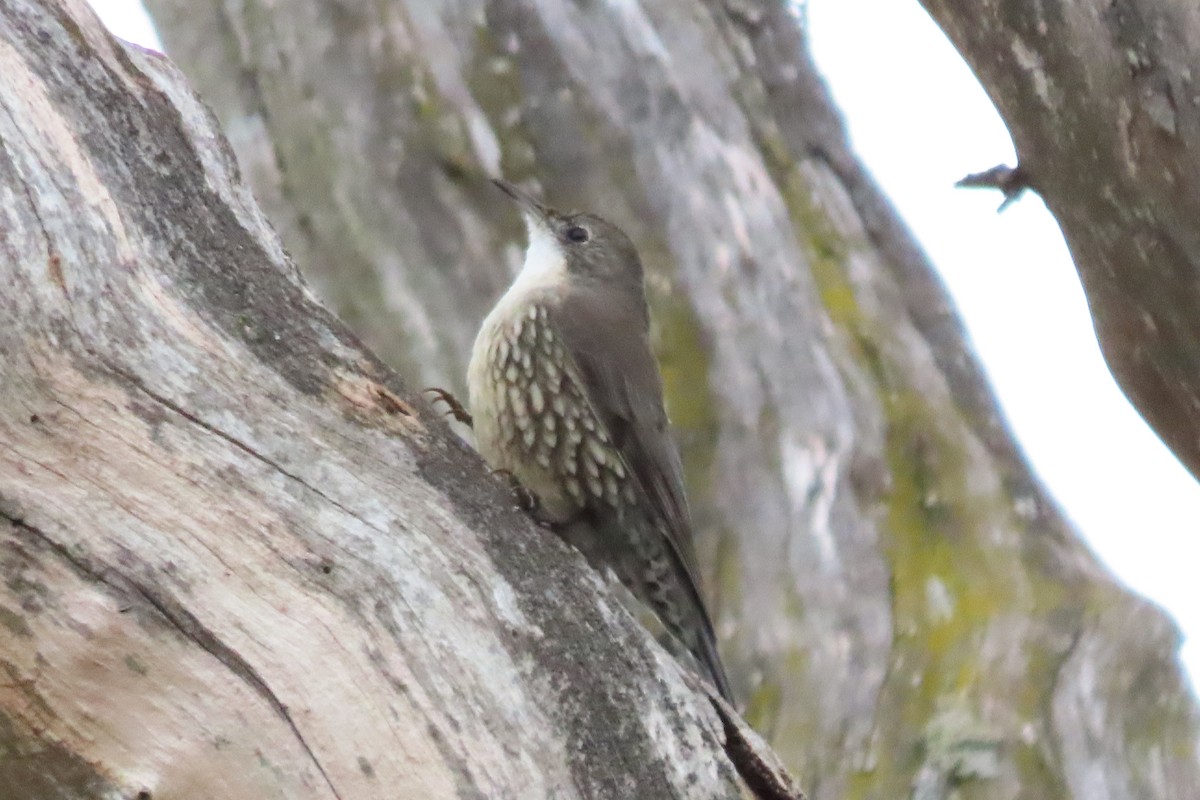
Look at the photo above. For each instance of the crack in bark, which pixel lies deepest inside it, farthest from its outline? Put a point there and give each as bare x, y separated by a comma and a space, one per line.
192, 628
191, 417
140, 385
185, 623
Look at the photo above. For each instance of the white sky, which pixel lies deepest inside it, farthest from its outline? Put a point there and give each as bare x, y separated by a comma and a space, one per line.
921, 121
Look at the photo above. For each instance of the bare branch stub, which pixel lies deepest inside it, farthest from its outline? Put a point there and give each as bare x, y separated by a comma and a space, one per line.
1011, 181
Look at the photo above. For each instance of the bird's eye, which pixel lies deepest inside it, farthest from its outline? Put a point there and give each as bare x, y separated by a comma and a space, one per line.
578, 234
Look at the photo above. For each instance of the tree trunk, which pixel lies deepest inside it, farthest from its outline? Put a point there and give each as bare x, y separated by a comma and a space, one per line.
239, 559
903, 609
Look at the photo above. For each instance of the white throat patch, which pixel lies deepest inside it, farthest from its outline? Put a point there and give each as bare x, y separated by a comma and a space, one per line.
545, 262
545, 268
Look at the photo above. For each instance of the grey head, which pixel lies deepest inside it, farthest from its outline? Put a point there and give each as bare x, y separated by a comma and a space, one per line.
594, 250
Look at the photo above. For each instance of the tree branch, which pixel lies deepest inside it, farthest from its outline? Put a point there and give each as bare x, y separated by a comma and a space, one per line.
1101, 102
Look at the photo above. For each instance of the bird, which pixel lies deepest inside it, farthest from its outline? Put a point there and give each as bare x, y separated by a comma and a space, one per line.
567, 399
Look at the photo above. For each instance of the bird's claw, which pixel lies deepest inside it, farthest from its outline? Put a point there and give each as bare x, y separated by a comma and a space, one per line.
454, 407
526, 500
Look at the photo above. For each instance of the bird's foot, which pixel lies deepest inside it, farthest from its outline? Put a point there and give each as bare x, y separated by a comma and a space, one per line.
454, 407
526, 500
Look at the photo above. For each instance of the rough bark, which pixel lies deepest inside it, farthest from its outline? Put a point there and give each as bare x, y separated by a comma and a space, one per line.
1103, 103
239, 559
923, 621
905, 611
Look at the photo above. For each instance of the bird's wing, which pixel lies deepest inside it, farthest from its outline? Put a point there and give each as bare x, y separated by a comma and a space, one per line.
611, 349
609, 342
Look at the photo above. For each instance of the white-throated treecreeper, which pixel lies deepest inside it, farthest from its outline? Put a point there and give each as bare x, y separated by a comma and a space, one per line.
566, 396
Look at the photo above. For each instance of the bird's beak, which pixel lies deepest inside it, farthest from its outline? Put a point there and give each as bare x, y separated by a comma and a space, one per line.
533, 211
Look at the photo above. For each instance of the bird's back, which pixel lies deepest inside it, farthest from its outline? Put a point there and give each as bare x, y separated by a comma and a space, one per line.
648, 540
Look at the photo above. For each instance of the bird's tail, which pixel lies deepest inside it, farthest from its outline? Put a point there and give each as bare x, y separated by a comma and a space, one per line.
705, 651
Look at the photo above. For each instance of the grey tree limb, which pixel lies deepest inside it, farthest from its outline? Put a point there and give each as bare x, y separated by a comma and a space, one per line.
1103, 104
